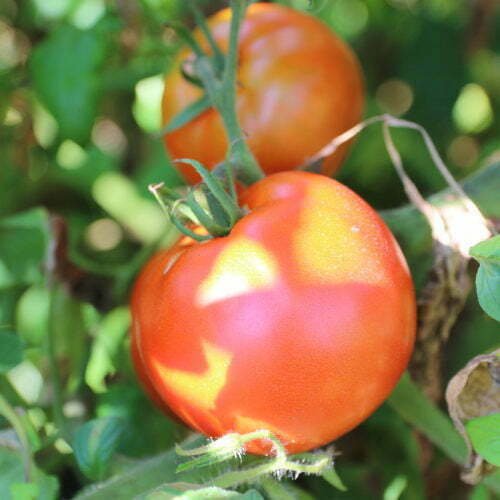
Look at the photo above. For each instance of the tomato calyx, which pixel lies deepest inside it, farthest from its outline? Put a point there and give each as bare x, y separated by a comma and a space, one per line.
213, 204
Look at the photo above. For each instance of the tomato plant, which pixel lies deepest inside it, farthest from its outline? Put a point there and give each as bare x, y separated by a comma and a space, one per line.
298, 86
300, 321
293, 320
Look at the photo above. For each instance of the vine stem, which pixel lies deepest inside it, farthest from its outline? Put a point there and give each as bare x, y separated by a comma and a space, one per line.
235, 478
57, 397
222, 94
12, 417
233, 445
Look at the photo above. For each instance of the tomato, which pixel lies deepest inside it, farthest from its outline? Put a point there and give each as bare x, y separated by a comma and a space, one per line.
300, 321
146, 384
298, 87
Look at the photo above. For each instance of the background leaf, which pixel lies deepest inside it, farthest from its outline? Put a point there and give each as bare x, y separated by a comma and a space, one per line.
95, 443
12, 481
24, 239
488, 275
484, 433
107, 343
415, 408
70, 91
11, 350
185, 491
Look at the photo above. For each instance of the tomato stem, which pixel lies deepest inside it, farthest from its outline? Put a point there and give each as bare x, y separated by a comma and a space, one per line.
247, 167
222, 94
233, 444
218, 55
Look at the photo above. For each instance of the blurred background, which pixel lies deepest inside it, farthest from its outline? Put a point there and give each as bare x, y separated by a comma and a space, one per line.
80, 89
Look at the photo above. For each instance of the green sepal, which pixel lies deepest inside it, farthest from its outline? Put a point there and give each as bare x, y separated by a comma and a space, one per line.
218, 213
205, 220
183, 228
190, 77
216, 188
189, 113
186, 36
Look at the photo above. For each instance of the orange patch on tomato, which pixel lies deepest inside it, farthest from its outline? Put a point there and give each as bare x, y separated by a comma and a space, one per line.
242, 267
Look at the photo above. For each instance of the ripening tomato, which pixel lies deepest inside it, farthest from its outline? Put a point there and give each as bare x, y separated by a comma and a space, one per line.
146, 384
298, 87
300, 321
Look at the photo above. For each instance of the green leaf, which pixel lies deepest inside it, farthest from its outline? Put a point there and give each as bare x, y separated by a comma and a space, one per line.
12, 480
66, 73
26, 380
479, 492
24, 491
333, 478
484, 433
11, 351
24, 239
188, 114
487, 253
32, 315
95, 443
144, 476
412, 405
8, 300
276, 489
106, 346
187, 491
148, 431
69, 329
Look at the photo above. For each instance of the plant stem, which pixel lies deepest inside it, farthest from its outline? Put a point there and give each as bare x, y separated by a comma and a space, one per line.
203, 25
57, 398
232, 444
222, 93
13, 418
243, 158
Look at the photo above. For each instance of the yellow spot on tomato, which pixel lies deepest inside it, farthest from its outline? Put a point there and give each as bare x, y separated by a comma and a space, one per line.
200, 389
333, 242
243, 266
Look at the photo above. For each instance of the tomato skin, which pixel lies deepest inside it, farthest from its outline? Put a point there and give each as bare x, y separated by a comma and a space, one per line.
300, 321
159, 259
144, 380
298, 87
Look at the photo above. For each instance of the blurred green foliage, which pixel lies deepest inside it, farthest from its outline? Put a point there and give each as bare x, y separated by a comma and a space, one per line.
80, 86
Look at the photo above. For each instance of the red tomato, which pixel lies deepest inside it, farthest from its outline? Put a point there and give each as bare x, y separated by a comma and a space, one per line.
300, 321
298, 87
146, 384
